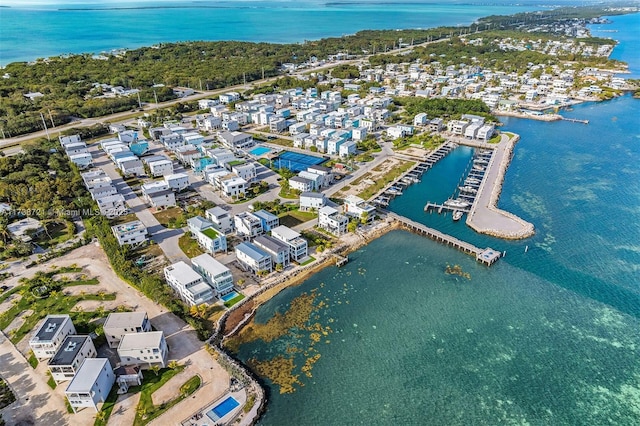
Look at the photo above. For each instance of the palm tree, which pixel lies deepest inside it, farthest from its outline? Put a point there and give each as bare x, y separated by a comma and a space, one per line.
155, 368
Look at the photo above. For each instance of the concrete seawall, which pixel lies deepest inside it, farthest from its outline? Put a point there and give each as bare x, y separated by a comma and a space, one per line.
485, 217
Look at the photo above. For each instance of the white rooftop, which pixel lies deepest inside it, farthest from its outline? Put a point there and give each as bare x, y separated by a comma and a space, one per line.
183, 273
285, 232
124, 319
132, 341
210, 264
87, 375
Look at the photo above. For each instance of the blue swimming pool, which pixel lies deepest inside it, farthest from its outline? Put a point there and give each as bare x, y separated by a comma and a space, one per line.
296, 162
229, 296
222, 409
260, 150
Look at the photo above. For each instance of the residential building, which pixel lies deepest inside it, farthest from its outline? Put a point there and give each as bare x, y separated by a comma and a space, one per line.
50, 335
70, 356
103, 191
161, 168
91, 384
127, 376
233, 186
217, 275
143, 349
19, 229
221, 219
158, 194
246, 171
436, 125
112, 205
171, 141
236, 140
76, 148
301, 184
177, 181
208, 238
297, 244
278, 250
131, 233
268, 220
188, 283
82, 160
486, 132
312, 201
332, 221
347, 148
118, 324
247, 224
359, 208
325, 172
253, 258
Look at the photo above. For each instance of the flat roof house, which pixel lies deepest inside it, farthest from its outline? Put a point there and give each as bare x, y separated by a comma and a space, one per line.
188, 283
221, 219
248, 224
133, 232
278, 250
158, 194
161, 168
177, 181
253, 258
70, 356
297, 244
208, 238
332, 221
118, 324
51, 333
91, 384
357, 207
268, 220
143, 349
217, 275
312, 201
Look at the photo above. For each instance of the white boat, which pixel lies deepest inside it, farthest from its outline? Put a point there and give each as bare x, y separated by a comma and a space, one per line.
457, 215
468, 189
479, 167
471, 181
459, 204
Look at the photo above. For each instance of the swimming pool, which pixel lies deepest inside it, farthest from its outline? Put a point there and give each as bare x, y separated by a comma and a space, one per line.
296, 162
229, 296
222, 409
260, 150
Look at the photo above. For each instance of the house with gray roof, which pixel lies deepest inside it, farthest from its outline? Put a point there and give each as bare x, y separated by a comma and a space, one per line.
278, 250
91, 384
70, 356
50, 335
253, 258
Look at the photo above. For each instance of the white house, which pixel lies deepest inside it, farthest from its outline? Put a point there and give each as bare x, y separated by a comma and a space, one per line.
332, 221
177, 181
233, 185
302, 184
143, 349
82, 160
253, 258
112, 205
486, 132
246, 171
131, 166
221, 219
236, 140
297, 244
161, 168
131, 233
228, 97
420, 119
158, 194
268, 220
247, 224
70, 356
208, 238
91, 384
172, 141
217, 275
278, 250
359, 208
347, 148
51, 333
67, 140
325, 172
76, 148
188, 283
312, 201
103, 191
118, 324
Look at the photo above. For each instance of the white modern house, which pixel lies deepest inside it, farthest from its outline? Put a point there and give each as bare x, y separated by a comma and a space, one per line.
91, 384
207, 236
233, 185
158, 194
247, 224
298, 246
70, 356
221, 219
143, 349
131, 233
302, 184
357, 207
253, 258
332, 220
278, 250
177, 181
161, 168
112, 205
188, 283
312, 201
217, 275
50, 335
118, 324
83, 160
267, 220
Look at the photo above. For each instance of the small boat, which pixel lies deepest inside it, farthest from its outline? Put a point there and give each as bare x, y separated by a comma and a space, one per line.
471, 181
479, 167
480, 161
468, 189
459, 204
457, 215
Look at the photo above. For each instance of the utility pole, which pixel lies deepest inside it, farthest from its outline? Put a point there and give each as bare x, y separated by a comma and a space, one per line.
139, 103
51, 118
45, 126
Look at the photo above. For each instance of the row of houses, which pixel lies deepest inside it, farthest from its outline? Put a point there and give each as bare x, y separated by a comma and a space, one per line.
77, 151
110, 203
73, 358
200, 282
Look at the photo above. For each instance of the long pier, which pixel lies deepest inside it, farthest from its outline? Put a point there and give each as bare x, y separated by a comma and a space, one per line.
486, 256
574, 120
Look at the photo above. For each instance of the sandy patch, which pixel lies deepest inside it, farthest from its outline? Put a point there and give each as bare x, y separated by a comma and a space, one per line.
18, 321
171, 389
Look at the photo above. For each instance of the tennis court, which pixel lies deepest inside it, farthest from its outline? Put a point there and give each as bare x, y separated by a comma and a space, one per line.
295, 161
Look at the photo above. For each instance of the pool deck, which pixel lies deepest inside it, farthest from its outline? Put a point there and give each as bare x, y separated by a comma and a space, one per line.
204, 420
485, 217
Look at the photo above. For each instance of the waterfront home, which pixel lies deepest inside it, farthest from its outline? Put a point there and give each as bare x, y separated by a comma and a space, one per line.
188, 283
436, 125
208, 238
247, 224
332, 221
161, 167
118, 324
158, 194
278, 250
217, 275
178, 181
457, 127
297, 245
143, 349
357, 207
70, 356
130, 233
91, 384
253, 258
47, 338
268, 220
221, 219
471, 132
486, 132
312, 201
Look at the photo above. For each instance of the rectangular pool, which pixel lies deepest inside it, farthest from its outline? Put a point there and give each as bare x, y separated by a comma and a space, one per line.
222, 409
296, 162
229, 296
258, 151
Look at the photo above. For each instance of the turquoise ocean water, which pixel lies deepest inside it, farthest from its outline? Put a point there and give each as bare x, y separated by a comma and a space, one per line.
27, 33
546, 337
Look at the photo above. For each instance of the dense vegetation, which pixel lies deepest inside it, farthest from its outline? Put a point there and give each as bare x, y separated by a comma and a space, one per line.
449, 108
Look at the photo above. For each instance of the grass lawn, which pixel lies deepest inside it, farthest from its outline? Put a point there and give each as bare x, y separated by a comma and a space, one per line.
168, 215
33, 361
282, 142
146, 411
233, 301
57, 231
6, 395
495, 139
124, 219
291, 194
384, 180
52, 383
296, 217
102, 418
189, 246
311, 259
211, 233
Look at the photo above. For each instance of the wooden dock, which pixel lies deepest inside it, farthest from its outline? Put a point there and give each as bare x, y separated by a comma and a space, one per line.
341, 260
486, 256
